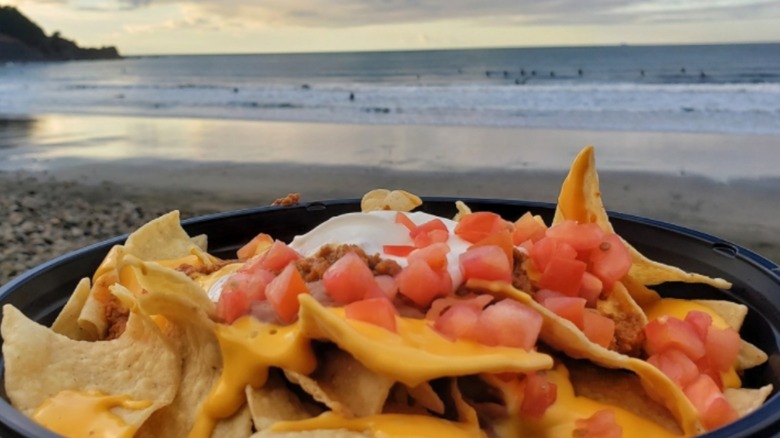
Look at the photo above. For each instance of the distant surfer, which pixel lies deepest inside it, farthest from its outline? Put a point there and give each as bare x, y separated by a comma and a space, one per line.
642, 73
579, 72
352, 97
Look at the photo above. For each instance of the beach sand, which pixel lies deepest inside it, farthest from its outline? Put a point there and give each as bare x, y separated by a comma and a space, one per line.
56, 212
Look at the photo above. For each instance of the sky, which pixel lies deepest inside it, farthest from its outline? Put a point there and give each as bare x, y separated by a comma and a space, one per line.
147, 27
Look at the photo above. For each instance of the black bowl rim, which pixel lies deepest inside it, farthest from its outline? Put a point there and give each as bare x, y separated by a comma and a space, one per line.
12, 421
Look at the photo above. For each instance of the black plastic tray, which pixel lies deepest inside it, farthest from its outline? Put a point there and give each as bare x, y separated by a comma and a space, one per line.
41, 292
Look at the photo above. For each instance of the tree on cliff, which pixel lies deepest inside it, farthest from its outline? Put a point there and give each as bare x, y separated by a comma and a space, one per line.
14, 25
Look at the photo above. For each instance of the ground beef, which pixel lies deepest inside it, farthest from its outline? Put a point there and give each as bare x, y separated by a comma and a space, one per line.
520, 279
195, 271
289, 200
629, 334
312, 268
116, 317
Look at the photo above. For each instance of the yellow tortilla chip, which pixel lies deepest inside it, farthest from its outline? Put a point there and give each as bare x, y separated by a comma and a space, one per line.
580, 200
463, 210
67, 322
383, 199
275, 402
424, 395
745, 401
344, 385
40, 365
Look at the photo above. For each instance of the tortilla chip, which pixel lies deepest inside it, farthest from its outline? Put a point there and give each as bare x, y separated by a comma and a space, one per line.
239, 425
580, 200
163, 239
463, 210
326, 433
618, 388
344, 385
733, 313
562, 335
750, 356
191, 333
39, 364
201, 241
383, 199
424, 395
745, 401
67, 322
275, 402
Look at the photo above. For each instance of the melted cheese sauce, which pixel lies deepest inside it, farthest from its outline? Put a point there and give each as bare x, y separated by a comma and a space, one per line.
560, 418
87, 414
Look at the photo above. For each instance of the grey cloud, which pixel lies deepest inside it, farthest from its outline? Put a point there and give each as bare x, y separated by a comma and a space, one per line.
352, 13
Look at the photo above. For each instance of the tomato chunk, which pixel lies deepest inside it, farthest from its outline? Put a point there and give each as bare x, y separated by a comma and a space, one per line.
257, 245
435, 255
387, 284
350, 279
722, 347
377, 311
538, 395
486, 263
610, 260
598, 328
676, 365
509, 323
602, 424
398, 250
252, 284
714, 410
232, 305
528, 227
502, 239
545, 249
274, 259
571, 308
700, 321
590, 288
403, 219
440, 305
427, 227
460, 321
283, 293
474, 227
421, 284
667, 333
581, 237
563, 275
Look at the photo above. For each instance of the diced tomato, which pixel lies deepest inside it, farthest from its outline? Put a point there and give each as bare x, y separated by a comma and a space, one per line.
610, 260
350, 279
722, 347
403, 219
714, 410
563, 275
668, 332
590, 288
528, 227
421, 284
706, 368
251, 284
427, 227
598, 328
474, 227
502, 239
602, 424
545, 249
460, 321
431, 236
543, 294
257, 245
486, 263
700, 321
377, 311
571, 308
387, 284
435, 255
509, 323
440, 305
398, 250
538, 395
283, 293
581, 237
232, 305
274, 259
676, 365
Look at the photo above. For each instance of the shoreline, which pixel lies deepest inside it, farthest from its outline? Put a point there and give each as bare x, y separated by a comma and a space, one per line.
52, 214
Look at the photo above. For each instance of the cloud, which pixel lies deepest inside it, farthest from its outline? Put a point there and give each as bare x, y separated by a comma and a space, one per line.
354, 13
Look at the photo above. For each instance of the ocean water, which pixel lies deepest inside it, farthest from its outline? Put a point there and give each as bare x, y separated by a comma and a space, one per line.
708, 88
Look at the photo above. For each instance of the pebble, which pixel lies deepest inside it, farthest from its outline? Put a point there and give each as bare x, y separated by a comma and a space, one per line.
45, 219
